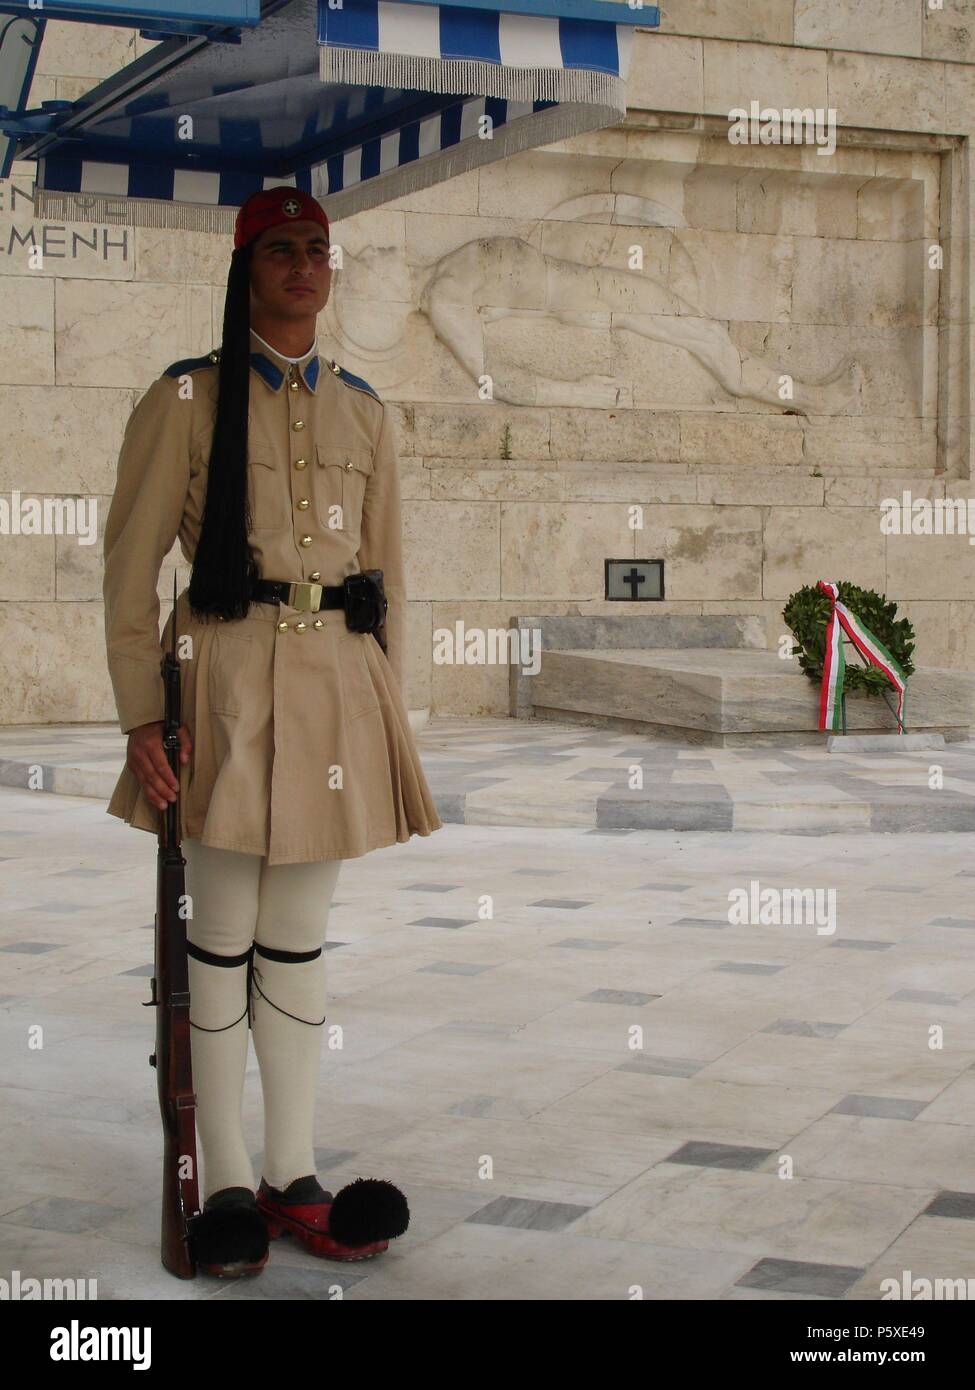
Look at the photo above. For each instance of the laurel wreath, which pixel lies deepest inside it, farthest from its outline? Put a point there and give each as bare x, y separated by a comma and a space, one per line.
807, 613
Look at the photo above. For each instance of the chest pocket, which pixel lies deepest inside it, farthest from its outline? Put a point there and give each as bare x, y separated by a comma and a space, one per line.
342, 474
269, 502
266, 487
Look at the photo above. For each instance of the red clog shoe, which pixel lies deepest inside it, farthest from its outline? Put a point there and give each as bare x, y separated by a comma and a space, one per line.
365, 1214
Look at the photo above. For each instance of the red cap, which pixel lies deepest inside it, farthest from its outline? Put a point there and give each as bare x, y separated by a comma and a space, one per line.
273, 206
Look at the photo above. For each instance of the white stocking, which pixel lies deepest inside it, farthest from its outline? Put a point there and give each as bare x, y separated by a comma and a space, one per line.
288, 1009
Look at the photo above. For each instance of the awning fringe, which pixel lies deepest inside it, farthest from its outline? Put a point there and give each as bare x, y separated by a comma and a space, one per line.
471, 77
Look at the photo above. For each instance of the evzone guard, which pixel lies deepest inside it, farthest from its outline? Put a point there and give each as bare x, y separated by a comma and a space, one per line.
277, 471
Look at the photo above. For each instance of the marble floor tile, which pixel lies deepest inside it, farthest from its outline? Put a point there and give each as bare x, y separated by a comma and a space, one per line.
935, 1248
761, 1213
475, 1261
629, 1103
906, 1071
903, 1153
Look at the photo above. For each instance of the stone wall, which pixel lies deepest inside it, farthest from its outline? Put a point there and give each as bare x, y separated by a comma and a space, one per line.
634, 297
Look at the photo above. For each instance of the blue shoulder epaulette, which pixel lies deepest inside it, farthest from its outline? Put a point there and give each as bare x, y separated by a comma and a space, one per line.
192, 364
351, 380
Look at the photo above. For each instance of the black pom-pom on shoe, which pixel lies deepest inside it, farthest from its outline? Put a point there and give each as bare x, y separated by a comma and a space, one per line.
366, 1210
229, 1237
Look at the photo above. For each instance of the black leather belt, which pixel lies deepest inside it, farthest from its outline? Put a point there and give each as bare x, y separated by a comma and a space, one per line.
302, 595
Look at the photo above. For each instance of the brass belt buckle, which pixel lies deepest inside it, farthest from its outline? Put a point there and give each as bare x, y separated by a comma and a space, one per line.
305, 596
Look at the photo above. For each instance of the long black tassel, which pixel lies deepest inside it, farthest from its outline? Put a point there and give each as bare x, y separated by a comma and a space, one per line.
224, 566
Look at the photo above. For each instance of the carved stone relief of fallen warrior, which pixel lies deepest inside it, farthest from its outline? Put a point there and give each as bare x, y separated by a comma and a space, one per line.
511, 278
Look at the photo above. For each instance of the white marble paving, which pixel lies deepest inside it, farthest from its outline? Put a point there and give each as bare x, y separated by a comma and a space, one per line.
537, 1130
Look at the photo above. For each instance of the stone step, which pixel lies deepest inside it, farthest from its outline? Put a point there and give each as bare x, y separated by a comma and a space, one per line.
503, 772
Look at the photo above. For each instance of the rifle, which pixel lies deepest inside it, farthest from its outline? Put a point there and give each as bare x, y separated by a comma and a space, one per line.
171, 999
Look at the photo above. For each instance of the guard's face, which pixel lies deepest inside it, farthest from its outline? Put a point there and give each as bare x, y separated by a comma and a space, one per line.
290, 273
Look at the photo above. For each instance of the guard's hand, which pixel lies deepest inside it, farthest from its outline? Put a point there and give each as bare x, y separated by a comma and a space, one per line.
147, 759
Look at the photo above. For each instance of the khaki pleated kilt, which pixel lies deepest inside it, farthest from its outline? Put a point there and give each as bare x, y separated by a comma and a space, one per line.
302, 746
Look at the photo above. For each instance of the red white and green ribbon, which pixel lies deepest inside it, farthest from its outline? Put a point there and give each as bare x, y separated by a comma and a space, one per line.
834, 668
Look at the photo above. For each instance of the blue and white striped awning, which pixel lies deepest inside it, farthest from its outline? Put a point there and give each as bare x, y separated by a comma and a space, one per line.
357, 105
467, 47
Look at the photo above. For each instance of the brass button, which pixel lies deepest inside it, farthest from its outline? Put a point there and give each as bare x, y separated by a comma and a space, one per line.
316, 576
293, 386
302, 503
282, 627
300, 627
306, 540
319, 623
301, 463
348, 465
336, 368
298, 425
214, 357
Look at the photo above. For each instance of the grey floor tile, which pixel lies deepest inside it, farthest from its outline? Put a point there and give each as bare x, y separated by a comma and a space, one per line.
800, 1028
922, 996
662, 1066
528, 1215
474, 1107
852, 943
332, 1158
701, 1153
797, 1276
441, 922
572, 903
68, 1214
880, 1107
584, 943
618, 996
453, 967
32, 948
960, 1205
599, 774
747, 967
325, 1158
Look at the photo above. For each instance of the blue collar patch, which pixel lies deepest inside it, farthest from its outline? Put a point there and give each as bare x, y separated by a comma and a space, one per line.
273, 375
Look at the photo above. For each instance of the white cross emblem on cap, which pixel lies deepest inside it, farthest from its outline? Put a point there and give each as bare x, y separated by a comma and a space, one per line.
291, 208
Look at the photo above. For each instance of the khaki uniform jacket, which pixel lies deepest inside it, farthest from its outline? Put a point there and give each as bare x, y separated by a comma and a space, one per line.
302, 746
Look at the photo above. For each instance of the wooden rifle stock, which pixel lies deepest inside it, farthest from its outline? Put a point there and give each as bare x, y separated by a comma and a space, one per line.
171, 998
